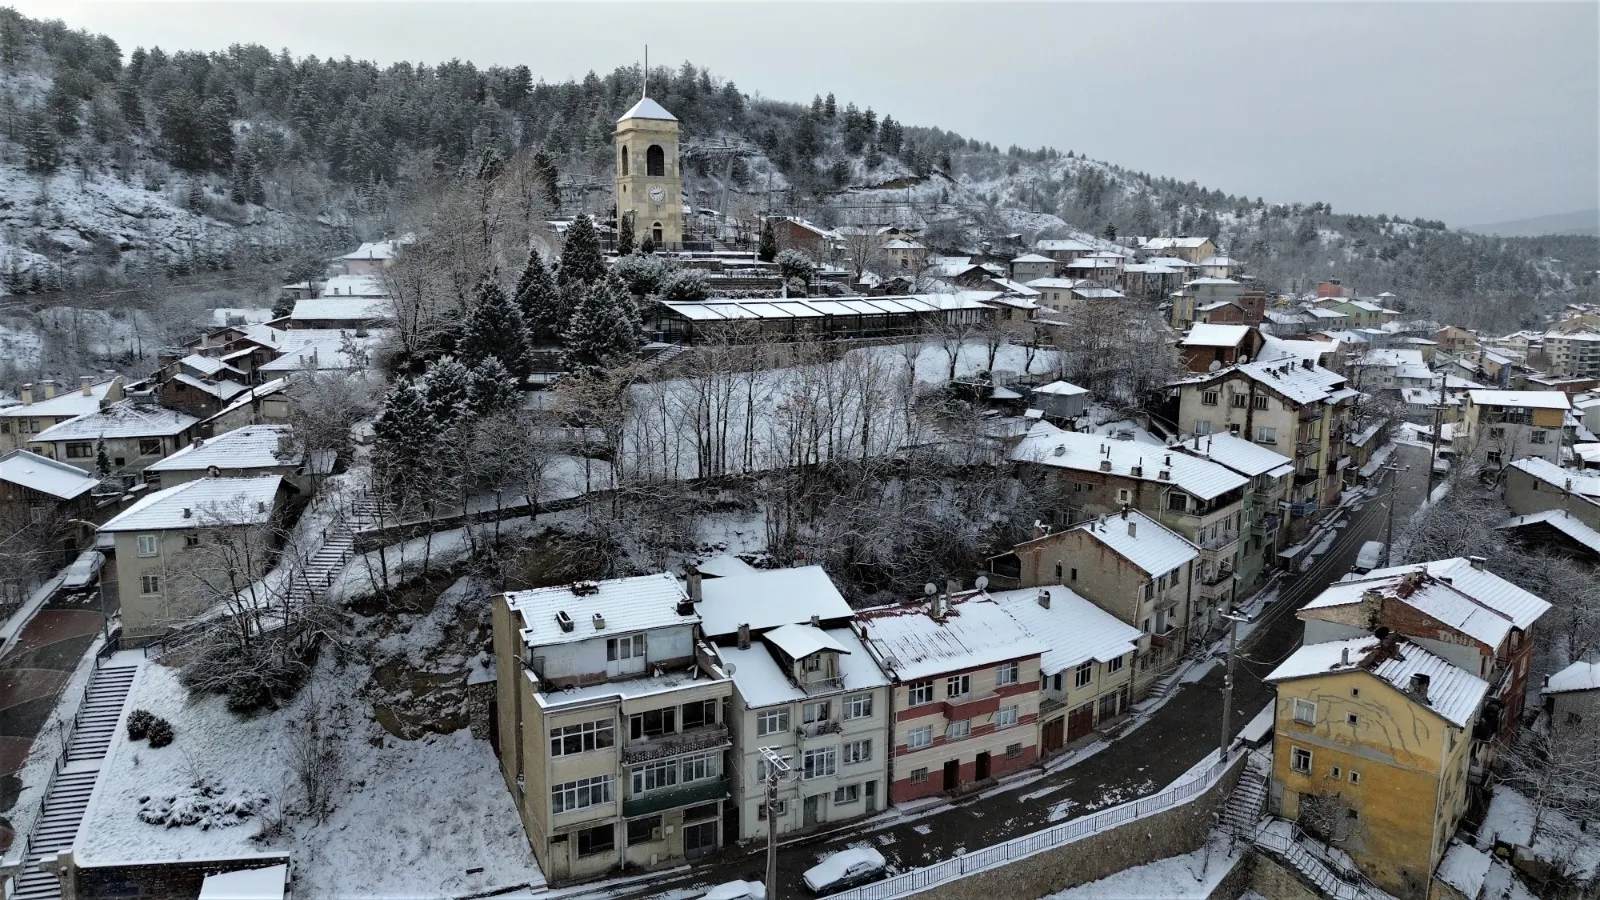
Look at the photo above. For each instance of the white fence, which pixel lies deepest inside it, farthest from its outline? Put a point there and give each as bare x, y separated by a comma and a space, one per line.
1058, 836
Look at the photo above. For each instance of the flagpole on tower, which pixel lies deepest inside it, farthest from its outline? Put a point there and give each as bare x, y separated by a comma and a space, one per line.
646, 72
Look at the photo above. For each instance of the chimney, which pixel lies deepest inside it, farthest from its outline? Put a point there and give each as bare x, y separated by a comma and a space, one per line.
936, 607
27, 398
952, 586
86, 384
1196, 446
563, 620
599, 622
261, 506
49, 388
1305, 364
187, 512
692, 576
1419, 686
1477, 562
1124, 510
1044, 598
816, 621
1105, 465
1039, 529
744, 637
1344, 656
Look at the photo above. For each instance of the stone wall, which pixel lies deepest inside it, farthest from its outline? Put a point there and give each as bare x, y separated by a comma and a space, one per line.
1171, 832
161, 881
1271, 878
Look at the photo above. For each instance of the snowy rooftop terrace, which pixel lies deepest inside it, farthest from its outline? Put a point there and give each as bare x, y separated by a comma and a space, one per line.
909, 643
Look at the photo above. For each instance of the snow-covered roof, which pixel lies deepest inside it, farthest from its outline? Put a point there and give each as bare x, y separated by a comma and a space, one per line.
250, 447
1061, 389
1074, 629
1521, 607
1291, 378
1581, 483
626, 605
45, 475
265, 883
1464, 868
1430, 596
207, 365
1165, 243
768, 599
350, 286
1245, 457
204, 502
328, 354
1453, 693
1141, 540
1033, 258
1387, 358
261, 390
1209, 335
1317, 312
1194, 281
910, 644
1561, 520
1580, 676
334, 309
899, 244
1218, 261
373, 250
1171, 262
647, 108
123, 419
1012, 287
1048, 445
763, 682
1091, 292
222, 390
1057, 283
1529, 399
1216, 305
1060, 245
800, 641
69, 403
718, 309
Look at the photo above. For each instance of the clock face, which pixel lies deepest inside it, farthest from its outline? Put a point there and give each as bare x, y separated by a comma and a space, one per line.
657, 195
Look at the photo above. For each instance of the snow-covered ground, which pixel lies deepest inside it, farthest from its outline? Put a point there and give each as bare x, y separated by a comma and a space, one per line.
1192, 875
1560, 839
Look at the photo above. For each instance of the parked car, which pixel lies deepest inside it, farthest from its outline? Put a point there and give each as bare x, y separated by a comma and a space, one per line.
1441, 463
738, 890
844, 869
84, 570
1370, 556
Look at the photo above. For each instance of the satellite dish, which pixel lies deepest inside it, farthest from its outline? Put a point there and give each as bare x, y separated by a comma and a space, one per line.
1215, 365
930, 589
1244, 358
982, 582
732, 669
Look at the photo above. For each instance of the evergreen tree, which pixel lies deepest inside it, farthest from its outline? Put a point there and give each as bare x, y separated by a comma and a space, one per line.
543, 310
1109, 232
40, 145
130, 105
625, 235
768, 251
794, 265
605, 330
495, 329
404, 429
493, 388
647, 246
830, 108
581, 261
545, 165
448, 392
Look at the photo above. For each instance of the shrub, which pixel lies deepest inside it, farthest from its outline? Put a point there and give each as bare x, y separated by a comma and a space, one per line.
160, 733
139, 724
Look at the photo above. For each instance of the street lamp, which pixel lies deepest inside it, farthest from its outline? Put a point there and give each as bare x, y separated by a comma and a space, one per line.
100, 583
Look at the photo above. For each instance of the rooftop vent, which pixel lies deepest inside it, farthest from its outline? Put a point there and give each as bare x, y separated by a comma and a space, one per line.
1133, 529
187, 512
1044, 598
1419, 686
563, 620
1105, 465
599, 622
1137, 472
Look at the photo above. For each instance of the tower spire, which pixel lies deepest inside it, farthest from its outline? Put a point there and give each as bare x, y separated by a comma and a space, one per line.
646, 72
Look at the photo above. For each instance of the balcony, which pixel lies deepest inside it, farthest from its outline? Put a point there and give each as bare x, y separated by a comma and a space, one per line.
1217, 542
1302, 508
818, 729
1267, 525
707, 737
1169, 636
1220, 575
1311, 412
671, 798
1310, 476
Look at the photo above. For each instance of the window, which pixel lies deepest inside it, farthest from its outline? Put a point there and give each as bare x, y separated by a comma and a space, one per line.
598, 839
1305, 712
1300, 760
958, 730
699, 767
1123, 495
781, 808
1013, 751
772, 721
149, 545
624, 167
918, 776
1492, 457
1005, 717
654, 775
1497, 433
1202, 426
819, 763
653, 724
857, 751
1355, 692
150, 584
1115, 665
815, 712
1209, 398
958, 685
1008, 673
580, 794
846, 793
1058, 571
1352, 719
698, 714
1536, 437
149, 446
625, 647
643, 831
655, 161
1177, 502
1074, 574
920, 692
812, 663
1083, 675
858, 706
1259, 401
917, 738
1266, 435
1355, 777
80, 450
570, 739
191, 540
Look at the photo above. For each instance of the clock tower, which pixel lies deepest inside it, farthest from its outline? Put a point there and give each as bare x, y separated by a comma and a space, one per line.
649, 183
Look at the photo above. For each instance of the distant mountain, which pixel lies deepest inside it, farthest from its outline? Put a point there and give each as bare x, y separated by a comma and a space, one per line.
1584, 222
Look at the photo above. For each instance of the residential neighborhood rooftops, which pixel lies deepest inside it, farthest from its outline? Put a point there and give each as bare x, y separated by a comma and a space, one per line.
1530, 399
799, 641
1561, 520
250, 447
1074, 629
561, 615
202, 503
1580, 676
1578, 482
1485, 587
1164, 243
1033, 258
123, 419
1453, 693
1432, 597
338, 309
1298, 380
373, 250
259, 391
222, 390
207, 365
1245, 457
768, 599
1048, 445
911, 644
763, 682
345, 286
727, 309
1210, 335
1142, 541
44, 475
68, 403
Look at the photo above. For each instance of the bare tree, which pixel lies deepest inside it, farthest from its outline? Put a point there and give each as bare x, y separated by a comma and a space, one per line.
323, 407
1558, 768
314, 754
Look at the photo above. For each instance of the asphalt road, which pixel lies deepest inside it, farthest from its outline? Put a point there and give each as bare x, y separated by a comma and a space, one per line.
1140, 762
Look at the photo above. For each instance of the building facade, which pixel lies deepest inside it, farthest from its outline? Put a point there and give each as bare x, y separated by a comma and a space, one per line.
1498, 427
649, 181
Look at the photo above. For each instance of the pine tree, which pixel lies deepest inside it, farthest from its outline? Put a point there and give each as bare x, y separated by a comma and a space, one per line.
545, 165
543, 310
605, 330
830, 107
493, 388
404, 428
40, 144
447, 391
768, 250
625, 236
647, 246
581, 261
1109, 232
495, 329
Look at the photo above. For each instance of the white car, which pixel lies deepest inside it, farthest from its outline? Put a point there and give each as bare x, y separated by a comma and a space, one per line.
1369, 557
846, 868
84, 570
738, 890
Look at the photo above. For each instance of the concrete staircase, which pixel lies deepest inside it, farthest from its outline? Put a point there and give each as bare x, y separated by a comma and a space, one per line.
94, 728
1248, 800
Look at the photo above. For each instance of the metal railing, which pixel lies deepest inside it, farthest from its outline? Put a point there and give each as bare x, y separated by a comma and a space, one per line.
1330, 877
1060, 835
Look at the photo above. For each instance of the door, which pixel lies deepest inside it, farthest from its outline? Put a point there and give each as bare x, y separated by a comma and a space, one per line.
813, 811
981, 771
952, 774
872, 797
1080, 721
699, 839
1055, 734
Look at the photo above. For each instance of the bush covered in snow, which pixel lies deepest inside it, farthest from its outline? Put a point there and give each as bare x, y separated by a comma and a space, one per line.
139, 724
203, 803
160, 732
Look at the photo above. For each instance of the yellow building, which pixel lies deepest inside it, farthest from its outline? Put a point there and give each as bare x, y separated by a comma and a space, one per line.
649, 181
1372, 742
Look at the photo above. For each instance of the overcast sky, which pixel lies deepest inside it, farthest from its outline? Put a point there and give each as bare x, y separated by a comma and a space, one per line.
1468, 112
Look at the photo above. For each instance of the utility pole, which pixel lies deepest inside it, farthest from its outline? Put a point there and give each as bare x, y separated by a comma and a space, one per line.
1394, 487
1227, 681
1438, 420
778, 770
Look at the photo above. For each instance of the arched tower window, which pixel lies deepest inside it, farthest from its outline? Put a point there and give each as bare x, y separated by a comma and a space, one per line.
655, 233
624, 160
655, 160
